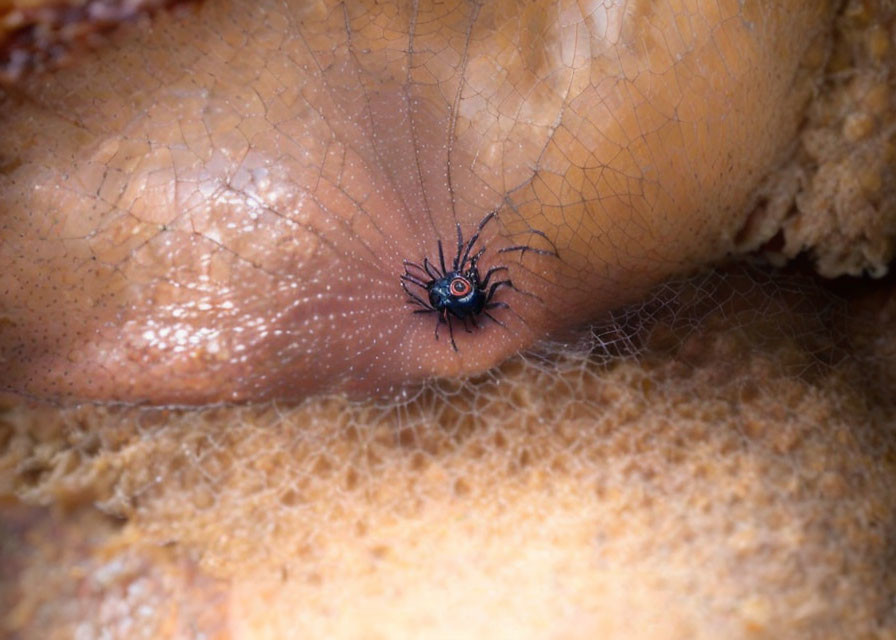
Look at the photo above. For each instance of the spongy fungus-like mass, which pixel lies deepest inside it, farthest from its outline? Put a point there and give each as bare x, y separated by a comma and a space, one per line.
732, 476
835, 198
217, 206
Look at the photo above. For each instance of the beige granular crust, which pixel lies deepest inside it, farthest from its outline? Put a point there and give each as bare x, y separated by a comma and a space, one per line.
77, 578
731, 476
836, 199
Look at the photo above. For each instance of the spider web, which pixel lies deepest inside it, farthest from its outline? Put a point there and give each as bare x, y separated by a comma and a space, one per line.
716, 460
726, 401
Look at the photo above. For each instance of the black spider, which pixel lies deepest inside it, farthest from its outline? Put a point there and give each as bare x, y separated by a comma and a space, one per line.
461, 292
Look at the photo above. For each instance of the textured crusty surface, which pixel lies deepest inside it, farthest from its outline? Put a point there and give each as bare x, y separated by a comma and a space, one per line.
835, 199
718, 460
732, 476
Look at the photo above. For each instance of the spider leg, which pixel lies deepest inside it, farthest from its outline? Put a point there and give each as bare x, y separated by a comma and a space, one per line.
490, 273
485, 220
523, 248
504, 305
467, 324
469, 246
494, 319
442, 257
475, 259
440, 320
407, 277
425, 311
450, 331
419, 280
408, 263
427, 265
460, 246
495, 286
508, 283
415, 299
475, 237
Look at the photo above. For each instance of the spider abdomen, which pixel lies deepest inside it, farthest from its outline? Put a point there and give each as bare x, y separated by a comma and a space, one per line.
458, 294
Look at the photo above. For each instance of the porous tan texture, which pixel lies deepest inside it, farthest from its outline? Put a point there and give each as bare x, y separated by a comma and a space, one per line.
836, 200
732, 476
717, 462
73, 582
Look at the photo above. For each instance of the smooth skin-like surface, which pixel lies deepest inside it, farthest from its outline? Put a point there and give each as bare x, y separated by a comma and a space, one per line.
218, 208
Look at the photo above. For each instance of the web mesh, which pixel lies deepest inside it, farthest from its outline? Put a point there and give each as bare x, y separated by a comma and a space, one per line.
718, 460
737, 425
